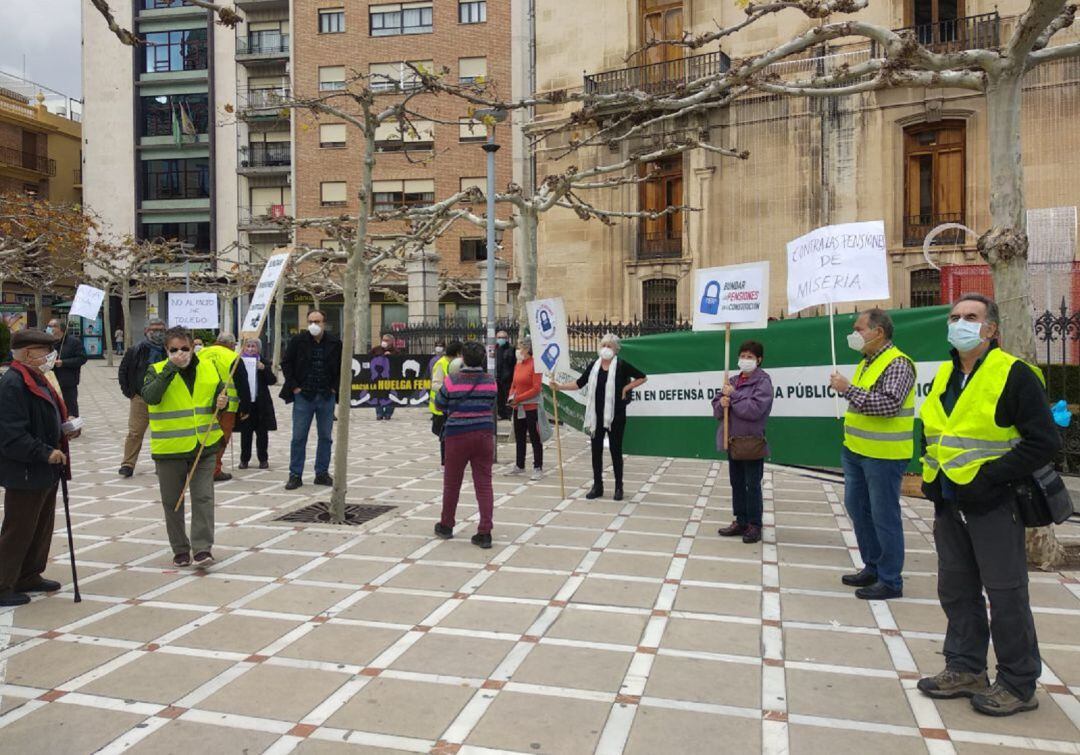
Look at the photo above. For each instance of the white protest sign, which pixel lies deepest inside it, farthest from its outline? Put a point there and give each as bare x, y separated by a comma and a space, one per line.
838, 263
734, 294
264, 294
194, 310
87, 302
547, 326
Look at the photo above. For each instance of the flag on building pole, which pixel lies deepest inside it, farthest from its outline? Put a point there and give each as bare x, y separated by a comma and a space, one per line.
175, 125
187, 126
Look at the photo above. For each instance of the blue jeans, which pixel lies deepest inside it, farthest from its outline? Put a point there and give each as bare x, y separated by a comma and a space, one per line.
872, 500
746, 490
321, 408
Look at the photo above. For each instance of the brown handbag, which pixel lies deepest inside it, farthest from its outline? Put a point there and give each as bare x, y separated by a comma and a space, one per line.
746, 448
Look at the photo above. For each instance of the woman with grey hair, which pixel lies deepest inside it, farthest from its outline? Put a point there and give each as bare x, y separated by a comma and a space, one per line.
608, 383
256, 413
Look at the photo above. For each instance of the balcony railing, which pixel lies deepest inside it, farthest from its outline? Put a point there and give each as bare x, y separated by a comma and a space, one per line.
966, 33
658, 245
267, 98
276, 44
265, 218
27, 160
917, 226
658, 78
266, 155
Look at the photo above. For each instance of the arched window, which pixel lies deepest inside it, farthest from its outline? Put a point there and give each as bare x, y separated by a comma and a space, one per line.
660, 300
933, 180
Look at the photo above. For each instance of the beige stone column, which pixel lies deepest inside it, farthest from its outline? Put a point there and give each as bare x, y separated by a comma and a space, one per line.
423, 277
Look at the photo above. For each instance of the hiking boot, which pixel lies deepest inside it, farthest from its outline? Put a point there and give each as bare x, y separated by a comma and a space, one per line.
222, 477
203, 559
324, 479
11, 598
441, 530
482, 540
951, 684
537, 473
864, 578
294, 482
732, 530
596, 492
752, 534
878, 591
126, 471
515, 471
1000, 701
182, 560
38, 585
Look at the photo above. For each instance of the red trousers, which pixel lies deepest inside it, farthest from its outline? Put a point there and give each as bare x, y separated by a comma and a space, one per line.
476, 449
227, 420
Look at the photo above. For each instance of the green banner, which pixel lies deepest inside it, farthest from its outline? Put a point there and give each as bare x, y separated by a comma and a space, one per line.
672, 413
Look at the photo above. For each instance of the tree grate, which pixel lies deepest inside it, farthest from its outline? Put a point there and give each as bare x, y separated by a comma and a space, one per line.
319, 513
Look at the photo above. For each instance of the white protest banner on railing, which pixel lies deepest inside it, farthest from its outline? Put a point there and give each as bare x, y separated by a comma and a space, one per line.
838, 263
194, 310
550, 341
264, 294
731, 295
87, 302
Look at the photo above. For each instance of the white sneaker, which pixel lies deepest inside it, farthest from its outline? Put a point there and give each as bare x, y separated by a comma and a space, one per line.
537, 473
515, 472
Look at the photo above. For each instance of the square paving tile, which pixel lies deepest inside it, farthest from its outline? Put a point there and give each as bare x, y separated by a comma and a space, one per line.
393, 607
54, 728
237, 634
424, 577
176, 738
53, 662
452, 655
492, 617
858, 698
523, 585
210, 591
257, 692
139, 623
538, 557
55, 611
349, 571
405, 708
577, 668
700, 681
126, 584
339, 643
719, 600
830, 740
657, 730
540, 724
734, 572
617, 592
298, 599
159, 677
633, 565
598, 626
712, 636
819, 609
264, 565
1048, 721
837, 648
561, 536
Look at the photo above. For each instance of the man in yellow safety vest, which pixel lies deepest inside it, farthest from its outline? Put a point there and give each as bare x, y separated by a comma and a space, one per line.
439, 369
184, 393
879, 429
987, 428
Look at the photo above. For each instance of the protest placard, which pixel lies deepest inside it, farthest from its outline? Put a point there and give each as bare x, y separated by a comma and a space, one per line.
734, 294
550, 341
264, 294
838, 263
194, 310
87, 302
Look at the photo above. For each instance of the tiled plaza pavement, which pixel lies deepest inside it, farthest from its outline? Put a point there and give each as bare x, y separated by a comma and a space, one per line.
590, 626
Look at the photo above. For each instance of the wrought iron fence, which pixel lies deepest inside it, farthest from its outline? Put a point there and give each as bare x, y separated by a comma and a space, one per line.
658, 78
1057, 336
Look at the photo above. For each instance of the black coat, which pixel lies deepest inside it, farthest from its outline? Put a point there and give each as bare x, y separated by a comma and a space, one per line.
505, 362
295, 362
133, 368
258, 415
29, 432
73, 356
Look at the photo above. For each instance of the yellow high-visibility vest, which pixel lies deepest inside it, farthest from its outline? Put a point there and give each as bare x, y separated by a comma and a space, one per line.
222, 358
961, 442
881, 437
180, 421
443, 363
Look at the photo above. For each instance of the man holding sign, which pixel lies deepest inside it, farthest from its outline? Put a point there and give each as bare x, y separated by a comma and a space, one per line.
878, 444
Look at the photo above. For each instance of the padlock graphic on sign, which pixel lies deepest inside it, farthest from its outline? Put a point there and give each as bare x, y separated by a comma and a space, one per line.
710, 299
550, 357
545, 321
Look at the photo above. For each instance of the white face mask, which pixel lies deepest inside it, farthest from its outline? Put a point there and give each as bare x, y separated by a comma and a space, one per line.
522, 356
315, 329
855, 341
747, 365
50, 361
198, 348
607, 353
182, 359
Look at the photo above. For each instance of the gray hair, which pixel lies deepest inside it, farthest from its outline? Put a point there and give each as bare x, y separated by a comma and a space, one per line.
256, 341
992, 313
879, 318
155, 321
226, 339
611, 340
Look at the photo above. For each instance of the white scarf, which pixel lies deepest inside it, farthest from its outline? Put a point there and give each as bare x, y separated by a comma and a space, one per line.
251, 365
609, 397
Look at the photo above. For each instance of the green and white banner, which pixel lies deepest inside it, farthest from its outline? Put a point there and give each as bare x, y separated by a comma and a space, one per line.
671, 414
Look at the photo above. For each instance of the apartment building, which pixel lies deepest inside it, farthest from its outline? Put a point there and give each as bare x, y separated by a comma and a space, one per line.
914, 158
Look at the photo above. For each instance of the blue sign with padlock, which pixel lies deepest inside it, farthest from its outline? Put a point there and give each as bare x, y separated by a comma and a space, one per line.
710, 299
550, 357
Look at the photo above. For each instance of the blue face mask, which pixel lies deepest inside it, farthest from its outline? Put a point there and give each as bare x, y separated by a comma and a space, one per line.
965, 335
500, 341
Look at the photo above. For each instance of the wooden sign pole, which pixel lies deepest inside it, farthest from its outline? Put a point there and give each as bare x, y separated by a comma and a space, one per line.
558, 436
727, 361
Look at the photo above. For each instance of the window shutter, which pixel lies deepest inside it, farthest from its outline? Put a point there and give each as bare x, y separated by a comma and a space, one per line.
470, 68
420, 186
331, 74
332, 133
470, 129
383, 187
333, 191
479, 182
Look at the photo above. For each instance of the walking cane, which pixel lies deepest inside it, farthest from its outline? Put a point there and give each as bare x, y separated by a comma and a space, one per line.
71, 539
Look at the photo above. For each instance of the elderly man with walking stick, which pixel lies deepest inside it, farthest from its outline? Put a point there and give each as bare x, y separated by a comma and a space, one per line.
34, 431
185, 396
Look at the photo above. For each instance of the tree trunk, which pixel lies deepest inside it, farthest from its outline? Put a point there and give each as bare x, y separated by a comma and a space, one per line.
363, 310
1005, 248
106, 321
125, 310
39, 309
279, 322
356, 268
527, 264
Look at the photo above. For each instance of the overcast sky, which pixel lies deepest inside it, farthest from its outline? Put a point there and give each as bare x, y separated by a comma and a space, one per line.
47, 32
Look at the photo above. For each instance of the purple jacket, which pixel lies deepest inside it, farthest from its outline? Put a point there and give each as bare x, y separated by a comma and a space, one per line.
751, 404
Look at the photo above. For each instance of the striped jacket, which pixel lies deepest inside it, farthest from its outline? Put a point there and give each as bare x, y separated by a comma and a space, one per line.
468, 400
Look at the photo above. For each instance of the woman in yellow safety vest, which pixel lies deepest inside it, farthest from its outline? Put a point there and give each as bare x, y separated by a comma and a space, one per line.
184, 395
440, 367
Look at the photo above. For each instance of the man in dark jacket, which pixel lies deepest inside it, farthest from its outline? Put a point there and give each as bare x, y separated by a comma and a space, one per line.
505, 362
70, 357
311, 367
132, 371
33, 448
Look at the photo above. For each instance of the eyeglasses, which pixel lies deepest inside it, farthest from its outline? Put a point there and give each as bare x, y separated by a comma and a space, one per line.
184, 349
